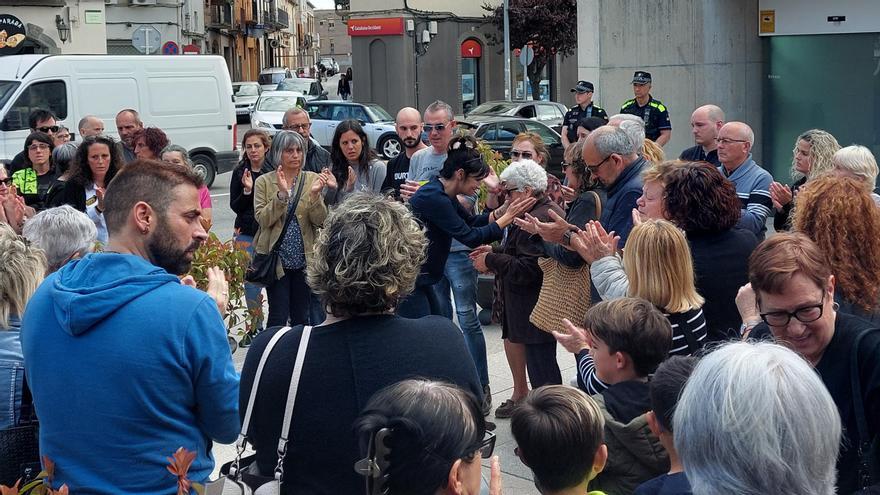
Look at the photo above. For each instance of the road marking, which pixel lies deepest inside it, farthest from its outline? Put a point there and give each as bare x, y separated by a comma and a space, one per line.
218, 195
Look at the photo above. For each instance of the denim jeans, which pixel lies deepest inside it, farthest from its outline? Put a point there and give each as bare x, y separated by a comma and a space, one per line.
289, 300
251, 292
427, 300
463, 278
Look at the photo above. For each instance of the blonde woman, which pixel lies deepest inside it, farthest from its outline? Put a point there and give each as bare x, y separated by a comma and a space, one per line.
656, 266
22, 270
811, 158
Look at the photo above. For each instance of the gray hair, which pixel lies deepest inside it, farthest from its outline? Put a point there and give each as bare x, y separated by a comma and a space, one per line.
85, 120
63, 233
755, 418
64, 154
171, 148
526, 173
636, 132
608, 140
617, 118
280, 142
293, 111
439, 105
858, 160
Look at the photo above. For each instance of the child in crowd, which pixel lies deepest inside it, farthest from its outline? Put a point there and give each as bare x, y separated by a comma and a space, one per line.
666, 386
559, 434
628, 339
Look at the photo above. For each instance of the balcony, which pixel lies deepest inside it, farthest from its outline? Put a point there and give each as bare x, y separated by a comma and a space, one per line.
218, 16
282, 19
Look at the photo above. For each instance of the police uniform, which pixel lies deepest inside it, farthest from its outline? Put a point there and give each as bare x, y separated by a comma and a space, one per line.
576, 113
654, 113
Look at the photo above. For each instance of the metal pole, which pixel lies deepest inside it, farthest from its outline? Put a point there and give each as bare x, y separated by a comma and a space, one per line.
506, 52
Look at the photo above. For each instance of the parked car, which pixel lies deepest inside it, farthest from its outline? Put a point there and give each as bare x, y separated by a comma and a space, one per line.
378, 124
190, 98
499, 132
245, 95
267, 113
271, 76
331, 65
312, 89
546, 112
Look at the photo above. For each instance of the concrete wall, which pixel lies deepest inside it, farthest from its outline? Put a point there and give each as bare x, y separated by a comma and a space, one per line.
698, 51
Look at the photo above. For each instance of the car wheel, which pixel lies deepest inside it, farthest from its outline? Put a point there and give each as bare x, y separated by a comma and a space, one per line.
390, 146
204, 166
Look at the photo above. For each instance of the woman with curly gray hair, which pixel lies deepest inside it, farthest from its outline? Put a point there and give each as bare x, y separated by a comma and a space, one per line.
366, 259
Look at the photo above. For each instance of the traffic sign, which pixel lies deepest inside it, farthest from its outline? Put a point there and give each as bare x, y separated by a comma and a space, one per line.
170, 48
526, 55
146, 39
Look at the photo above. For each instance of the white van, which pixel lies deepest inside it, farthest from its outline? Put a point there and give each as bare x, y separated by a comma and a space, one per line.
187, 96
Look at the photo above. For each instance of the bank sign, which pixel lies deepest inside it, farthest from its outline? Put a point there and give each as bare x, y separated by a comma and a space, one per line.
380, 26
11, 34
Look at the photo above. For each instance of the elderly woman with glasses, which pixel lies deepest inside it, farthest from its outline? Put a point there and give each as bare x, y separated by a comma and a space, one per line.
794, 288
515, 263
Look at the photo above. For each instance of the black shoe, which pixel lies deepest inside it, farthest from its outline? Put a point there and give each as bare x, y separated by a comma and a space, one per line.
490, 426
487, 401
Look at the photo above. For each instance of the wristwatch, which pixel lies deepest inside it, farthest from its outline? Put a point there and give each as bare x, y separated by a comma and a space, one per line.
566, 238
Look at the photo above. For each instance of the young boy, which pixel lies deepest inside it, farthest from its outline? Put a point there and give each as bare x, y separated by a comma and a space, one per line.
559, 435
628, 339
666, 386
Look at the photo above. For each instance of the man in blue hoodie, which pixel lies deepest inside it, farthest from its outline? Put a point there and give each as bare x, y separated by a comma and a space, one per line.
125, 363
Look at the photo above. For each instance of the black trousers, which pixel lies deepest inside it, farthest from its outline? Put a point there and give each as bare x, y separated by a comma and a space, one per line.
541, 364
289, 300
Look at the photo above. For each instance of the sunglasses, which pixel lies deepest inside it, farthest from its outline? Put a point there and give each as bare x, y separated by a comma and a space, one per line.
524, 154
486, 445
49, 128
6, 182
297, 127
435, 127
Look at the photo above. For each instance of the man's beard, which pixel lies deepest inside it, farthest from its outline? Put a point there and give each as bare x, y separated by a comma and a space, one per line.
411, 142
164, 252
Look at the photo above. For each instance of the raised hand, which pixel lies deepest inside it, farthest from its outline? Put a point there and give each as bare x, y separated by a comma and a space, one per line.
479, 261
780, 194
218, 288
408, 189
329, 179
574, 339
515, 210
568, 194
594, 243
495, 477
352, 177
637, 216
247, 180
281, 180
528, 223
99, 193
318, 185
552, 231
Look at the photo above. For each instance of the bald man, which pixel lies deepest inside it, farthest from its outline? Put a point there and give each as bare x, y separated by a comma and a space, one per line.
706, 121
90, 125
409, 129
735, 141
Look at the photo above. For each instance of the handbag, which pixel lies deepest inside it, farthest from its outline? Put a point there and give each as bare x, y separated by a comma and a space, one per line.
261, 269
248, 480
20, 445
565, 292
868, 448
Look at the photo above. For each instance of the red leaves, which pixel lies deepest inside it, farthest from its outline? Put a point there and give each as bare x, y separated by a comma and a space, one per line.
179, 466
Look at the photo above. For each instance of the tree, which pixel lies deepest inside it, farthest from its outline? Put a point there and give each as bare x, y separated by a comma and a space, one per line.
549, 26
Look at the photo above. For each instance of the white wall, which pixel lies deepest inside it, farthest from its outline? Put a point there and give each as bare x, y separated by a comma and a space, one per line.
168, 17
84, 38
811, 16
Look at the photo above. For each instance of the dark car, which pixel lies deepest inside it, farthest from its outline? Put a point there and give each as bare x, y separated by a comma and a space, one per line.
499, 133
546, 112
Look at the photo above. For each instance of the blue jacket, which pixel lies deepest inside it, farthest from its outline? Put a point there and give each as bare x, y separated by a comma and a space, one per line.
753, 189
622, 196
445, 219
11, 373
126, 365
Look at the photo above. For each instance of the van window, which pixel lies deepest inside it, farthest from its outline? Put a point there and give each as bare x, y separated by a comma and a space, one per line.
46, 94
203, 96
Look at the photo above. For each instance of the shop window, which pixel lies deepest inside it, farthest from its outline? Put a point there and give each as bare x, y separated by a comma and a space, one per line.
470, 83
47, 94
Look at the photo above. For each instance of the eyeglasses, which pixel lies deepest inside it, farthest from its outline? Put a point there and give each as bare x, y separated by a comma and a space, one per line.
435, 127
593, 168
48, 128
37, 147
524, 154
297, 127
726, 141
807, 314
486, 446
6, 182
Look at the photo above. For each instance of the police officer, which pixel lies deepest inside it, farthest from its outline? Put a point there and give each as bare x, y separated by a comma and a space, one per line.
653, 112
583, 95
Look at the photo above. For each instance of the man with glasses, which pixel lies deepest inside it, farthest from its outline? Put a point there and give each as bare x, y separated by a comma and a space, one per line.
317, 158
735, 141
583, 95
41, 120
409, 128
424, 165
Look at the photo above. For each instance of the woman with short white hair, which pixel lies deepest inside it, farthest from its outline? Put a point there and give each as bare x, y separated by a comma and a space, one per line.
857, 162
755, 418
515, 264
63, 232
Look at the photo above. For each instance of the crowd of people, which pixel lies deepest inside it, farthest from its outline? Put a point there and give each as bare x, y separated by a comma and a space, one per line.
712, 356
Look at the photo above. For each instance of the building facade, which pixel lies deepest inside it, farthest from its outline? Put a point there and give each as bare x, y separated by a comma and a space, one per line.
334, 40
58, 26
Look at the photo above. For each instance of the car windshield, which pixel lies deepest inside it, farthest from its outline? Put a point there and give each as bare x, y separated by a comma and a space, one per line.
6, 90
301, 85
246, 89
273, 78
277, 103
378, 114
495, 108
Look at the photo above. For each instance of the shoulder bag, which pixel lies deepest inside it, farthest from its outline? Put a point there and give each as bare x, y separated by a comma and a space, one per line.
261, 269
20, 445
565, 291
248, 480
868, 448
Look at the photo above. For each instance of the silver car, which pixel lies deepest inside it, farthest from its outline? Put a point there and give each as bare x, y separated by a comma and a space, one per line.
377, 123
245, 95
310, 88
267, 113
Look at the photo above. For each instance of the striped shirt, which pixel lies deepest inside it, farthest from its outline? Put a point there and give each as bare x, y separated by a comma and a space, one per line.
753, 189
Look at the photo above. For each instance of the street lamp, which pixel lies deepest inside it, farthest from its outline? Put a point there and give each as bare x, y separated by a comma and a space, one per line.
63, 28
